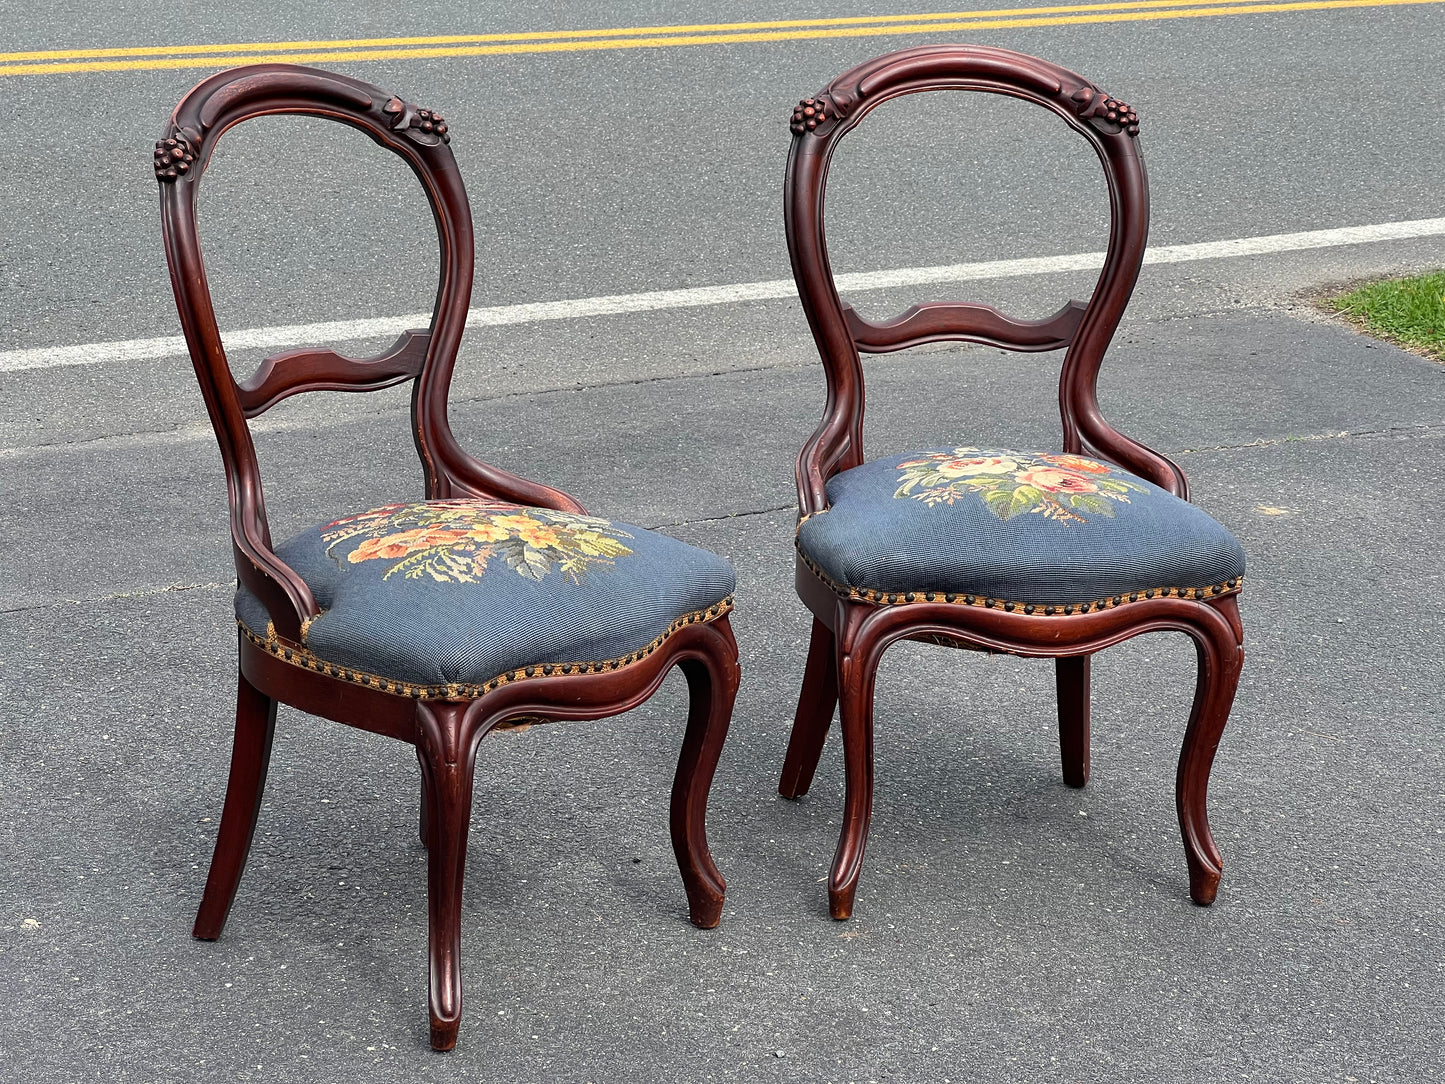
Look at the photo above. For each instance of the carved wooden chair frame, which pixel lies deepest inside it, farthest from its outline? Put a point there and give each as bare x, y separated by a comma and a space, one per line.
851, 630
445, 731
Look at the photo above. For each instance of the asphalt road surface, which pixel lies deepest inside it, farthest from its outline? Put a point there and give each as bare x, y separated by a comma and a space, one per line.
1008, 928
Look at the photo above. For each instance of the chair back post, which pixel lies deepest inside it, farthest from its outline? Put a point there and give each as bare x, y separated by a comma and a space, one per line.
1085, 429
420, 138
1110, 127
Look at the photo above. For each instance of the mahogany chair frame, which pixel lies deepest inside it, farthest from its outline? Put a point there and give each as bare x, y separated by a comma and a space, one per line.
852, 629
446, 731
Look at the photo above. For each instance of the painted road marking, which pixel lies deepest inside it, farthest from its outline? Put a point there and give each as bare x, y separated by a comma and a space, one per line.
296, 335
157, 57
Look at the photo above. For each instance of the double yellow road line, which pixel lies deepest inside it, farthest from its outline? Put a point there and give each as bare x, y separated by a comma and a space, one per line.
159, 57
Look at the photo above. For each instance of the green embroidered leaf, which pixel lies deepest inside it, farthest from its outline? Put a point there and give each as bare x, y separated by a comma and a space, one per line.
1091, 502
1023, 499
411, 567
575, 568
538, 563
595, 544
997, 501
526, 559
1116, 486
514, 552
982, 482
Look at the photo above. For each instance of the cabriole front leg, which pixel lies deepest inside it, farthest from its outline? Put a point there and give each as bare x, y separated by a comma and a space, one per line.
446, 749
1221, 659
855, 701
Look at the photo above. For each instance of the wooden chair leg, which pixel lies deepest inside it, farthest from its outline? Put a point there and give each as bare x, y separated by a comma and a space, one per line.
1071, 677
250, 755
712, 687
424, 817
446, 760
816, 702
1221, 658
857, 674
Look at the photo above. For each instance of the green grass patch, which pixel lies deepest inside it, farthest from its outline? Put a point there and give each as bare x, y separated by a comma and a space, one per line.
1410, 311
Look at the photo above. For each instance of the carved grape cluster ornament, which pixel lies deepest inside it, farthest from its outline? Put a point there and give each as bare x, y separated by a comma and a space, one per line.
1106, 113
808, 114
174, 156
422, 125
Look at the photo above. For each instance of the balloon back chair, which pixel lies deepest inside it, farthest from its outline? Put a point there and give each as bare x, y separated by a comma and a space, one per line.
1037, 554
493, 602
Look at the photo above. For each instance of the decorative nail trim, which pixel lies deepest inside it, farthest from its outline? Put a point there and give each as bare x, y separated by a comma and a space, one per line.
1033, 609
303, 657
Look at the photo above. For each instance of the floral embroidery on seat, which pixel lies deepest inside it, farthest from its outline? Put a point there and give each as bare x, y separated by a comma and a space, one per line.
454, 540
1062, 488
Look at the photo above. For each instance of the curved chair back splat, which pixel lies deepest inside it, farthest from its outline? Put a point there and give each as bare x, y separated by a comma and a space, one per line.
1084, 329
420, 137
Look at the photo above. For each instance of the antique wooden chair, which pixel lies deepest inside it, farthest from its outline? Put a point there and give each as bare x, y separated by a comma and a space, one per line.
495, 601
1029, 553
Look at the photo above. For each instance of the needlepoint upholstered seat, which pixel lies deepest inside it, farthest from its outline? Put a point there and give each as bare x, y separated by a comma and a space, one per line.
1051, 533
1046, 553
493, 602
449, 598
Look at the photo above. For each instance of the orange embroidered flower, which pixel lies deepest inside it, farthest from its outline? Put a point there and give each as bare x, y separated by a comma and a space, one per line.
488, 532
455, 541
539, 536
516, 522
991, 464
403, 543
1076, 463
1053, 480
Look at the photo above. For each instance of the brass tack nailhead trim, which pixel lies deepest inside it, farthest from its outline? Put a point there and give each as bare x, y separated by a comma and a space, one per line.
864, 594
302, 657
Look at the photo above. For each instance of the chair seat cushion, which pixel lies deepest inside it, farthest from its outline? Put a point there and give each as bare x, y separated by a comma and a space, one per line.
452, 593
1019, 526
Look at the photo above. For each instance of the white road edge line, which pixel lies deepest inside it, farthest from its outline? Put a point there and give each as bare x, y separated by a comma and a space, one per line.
296, 335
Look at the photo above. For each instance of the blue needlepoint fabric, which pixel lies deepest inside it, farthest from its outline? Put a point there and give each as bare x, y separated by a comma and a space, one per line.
458, 591
1020, 526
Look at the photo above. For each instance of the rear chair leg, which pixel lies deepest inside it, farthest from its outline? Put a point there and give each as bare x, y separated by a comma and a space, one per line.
1071, 676
250, 755
816, 702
